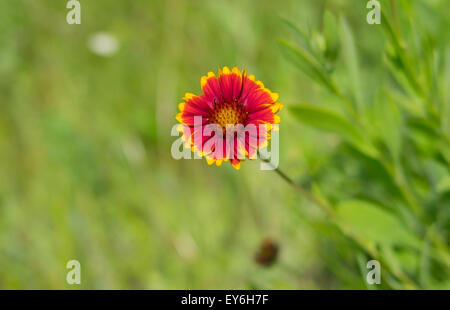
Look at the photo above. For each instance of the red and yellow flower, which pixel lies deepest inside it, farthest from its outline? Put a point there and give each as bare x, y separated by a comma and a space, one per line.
231, 101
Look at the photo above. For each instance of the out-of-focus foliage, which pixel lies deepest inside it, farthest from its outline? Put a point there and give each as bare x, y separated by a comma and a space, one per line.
398, 128
86, 171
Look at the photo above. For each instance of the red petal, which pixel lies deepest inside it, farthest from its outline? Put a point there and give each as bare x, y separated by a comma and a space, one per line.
210, 88
230, 83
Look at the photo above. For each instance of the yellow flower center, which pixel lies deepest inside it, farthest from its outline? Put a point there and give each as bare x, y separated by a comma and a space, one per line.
228, 114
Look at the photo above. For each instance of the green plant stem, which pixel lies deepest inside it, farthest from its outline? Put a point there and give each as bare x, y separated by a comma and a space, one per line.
305, 193
396, 19
341, 225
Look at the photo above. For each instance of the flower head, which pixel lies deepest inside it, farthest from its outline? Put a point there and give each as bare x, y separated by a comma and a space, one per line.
231, 120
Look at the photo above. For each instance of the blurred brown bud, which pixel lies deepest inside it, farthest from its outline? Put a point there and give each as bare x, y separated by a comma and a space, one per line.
267, 252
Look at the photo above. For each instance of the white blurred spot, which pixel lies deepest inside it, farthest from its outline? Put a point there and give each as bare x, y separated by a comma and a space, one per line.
134, 150
185, 246
103, 44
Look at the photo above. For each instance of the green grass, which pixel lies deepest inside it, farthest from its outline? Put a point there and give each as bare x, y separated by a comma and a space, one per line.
86, 171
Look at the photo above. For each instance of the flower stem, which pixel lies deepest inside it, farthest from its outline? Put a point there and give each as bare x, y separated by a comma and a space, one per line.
305, 193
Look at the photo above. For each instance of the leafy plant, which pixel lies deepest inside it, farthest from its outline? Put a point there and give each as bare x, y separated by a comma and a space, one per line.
399, 127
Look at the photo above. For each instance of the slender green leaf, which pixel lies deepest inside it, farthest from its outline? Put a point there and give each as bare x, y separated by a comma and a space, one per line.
307, 64
350, 58
374, 224
301, 35
402, 62
331, 36
389, 123
444, 184
328, 121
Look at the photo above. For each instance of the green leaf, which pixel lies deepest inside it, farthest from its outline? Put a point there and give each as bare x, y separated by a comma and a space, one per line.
303, 37
373, 224
328, 121
444, 184
398, 58
350, 58
389, 123
308, 64
331, 36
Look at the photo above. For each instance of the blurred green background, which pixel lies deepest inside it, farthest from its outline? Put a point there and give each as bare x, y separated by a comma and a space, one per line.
86, 171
